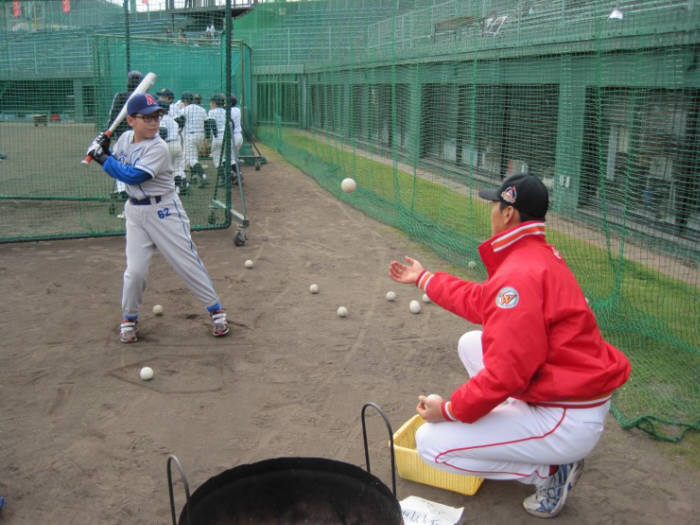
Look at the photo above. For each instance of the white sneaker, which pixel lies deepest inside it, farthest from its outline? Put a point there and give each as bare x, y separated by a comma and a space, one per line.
551, 496
127, 331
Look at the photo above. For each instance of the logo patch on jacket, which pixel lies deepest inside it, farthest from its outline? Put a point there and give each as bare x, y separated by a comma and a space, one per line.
507, 297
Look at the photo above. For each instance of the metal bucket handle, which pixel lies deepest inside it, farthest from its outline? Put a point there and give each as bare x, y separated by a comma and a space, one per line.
171, 459
391, 442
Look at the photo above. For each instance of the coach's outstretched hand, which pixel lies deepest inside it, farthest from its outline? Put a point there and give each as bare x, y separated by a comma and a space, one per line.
402, 273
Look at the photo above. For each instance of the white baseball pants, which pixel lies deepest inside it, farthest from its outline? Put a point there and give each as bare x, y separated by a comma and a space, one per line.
516, 440
176, 158
217, 145
164, 226
191, 144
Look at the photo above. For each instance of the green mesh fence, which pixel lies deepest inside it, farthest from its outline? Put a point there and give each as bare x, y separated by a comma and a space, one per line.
59, 73
425, 102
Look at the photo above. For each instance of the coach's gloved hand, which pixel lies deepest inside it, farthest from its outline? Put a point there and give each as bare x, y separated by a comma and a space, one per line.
180, 119
99, 155
103, 140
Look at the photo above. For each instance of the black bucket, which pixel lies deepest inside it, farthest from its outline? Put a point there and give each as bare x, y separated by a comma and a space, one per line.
291, 491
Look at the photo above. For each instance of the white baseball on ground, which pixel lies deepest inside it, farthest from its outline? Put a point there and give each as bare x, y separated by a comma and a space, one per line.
249, 263
157, 309
348, 185
313, 288
390, 296
472, 264
426, 299
342, 311
414, 306
146, 373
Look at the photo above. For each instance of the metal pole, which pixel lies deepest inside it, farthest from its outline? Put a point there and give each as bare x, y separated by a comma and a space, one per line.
228, 133
128, 39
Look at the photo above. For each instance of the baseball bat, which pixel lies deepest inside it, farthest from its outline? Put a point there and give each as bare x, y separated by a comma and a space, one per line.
142, 88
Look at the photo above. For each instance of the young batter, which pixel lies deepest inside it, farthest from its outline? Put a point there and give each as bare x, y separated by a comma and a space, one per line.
541, 374
155, 217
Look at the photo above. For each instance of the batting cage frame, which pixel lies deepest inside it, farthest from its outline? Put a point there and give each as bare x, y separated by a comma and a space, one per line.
58, 87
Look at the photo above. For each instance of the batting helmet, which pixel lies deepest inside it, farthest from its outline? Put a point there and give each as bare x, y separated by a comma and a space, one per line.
133, 79
187, 96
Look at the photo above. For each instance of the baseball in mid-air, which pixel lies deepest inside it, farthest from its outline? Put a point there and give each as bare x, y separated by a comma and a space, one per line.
414, 306
426, 299
348, 185
313, 288
249, 263
146, 373
157, 309
472, 264
342, 311
390, 296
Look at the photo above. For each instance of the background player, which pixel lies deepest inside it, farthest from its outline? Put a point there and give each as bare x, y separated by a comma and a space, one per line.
133, 79
541, 374
193, 136
217, 113
237, 138
169, 131
155, 217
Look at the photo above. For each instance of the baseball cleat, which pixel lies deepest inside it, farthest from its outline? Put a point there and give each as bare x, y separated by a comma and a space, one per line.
127, 331
219, 326
551, 496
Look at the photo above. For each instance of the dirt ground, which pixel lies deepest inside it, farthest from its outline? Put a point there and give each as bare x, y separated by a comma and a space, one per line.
84, 441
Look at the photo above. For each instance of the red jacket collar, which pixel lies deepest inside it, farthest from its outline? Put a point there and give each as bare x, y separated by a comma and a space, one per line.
494, 250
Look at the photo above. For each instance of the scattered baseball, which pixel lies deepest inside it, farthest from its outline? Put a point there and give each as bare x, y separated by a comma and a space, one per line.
146, 373
249, 263
348, 185
342, 311
472, 264
426, 299
391, 296
157, 309
313, 288
414, 306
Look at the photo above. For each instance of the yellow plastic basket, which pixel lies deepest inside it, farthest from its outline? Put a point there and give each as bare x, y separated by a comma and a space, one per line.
412, 467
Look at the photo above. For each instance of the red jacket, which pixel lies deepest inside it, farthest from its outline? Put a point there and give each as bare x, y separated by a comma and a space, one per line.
541, 342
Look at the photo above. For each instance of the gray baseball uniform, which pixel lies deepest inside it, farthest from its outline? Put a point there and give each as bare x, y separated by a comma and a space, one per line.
155, 218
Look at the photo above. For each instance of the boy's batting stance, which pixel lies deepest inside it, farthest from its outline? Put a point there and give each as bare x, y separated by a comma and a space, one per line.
154, 214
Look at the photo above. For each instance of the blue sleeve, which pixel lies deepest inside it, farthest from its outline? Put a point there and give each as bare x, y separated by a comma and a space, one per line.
124, 173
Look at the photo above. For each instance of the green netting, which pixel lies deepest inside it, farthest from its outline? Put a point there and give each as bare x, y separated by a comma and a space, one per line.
59, 72
425, 102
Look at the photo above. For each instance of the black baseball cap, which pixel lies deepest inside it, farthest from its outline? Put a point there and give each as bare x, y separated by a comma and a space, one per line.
166, 93
525, 192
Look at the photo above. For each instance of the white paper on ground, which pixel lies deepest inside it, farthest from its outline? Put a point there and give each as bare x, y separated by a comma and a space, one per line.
419, 511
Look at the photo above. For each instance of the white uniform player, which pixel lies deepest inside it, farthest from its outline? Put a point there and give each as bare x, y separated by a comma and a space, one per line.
193, 135
218, 114
173, 139
237, 137
237, 129
155, 217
